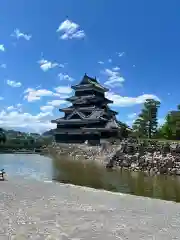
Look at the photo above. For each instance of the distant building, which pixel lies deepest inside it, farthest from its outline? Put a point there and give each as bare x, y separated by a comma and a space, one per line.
89, 117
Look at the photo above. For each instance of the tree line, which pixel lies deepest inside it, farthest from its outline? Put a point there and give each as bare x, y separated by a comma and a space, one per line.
146, 125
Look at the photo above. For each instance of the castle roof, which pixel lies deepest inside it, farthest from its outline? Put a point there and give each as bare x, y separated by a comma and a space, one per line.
88, 83
89, 108
83, 99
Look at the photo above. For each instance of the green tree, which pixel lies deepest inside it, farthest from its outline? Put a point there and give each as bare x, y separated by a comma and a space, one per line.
2, 136
150, 114
139, 127
166, 130
171, 128
146, 124
125, 129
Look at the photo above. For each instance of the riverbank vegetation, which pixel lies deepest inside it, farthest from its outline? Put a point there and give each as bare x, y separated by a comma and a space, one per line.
18, 141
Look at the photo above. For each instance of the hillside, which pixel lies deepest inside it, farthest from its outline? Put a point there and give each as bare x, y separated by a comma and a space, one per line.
48, 133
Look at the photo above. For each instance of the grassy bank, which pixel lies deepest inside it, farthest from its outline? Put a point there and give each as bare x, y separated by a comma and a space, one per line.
11, 147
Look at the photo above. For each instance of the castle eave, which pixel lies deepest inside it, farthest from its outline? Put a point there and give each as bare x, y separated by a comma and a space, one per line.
75, 121
83, 109
101, 129
75, 131
89, 87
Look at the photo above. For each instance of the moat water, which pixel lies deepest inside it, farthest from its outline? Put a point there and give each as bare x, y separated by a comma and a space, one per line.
46, 169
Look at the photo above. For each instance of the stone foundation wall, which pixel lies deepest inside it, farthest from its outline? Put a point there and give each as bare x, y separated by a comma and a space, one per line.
152, 157
101, 154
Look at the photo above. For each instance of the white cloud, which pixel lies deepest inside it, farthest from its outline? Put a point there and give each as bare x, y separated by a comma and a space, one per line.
114, 78
116, 68
18, 34
19, 105
57, 103
13, 83
120, 101
10, 108
132, 115
161, 121
45, 65
3, 65
134, 65
130, 123
36, 94
2, 48
121, 54
35, 123
63, 89
110, 60
46, 108
16, 107
66, 77
1, 98
70, 30
101, 62
32, 94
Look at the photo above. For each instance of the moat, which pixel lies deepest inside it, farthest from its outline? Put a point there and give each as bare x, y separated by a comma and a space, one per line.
46, 169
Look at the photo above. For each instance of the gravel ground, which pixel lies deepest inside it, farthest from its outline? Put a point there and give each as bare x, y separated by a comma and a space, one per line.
37, 210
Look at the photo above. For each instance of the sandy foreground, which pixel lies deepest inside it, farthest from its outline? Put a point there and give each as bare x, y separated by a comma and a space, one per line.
32, 209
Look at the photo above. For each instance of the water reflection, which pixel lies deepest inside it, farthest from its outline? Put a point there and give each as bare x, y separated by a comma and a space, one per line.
137, 183
91, 175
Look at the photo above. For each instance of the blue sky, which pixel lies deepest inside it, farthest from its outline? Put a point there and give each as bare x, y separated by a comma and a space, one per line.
132, 47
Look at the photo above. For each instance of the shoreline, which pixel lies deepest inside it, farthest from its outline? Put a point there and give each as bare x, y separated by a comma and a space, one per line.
17, 152
12, 151
22, 180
